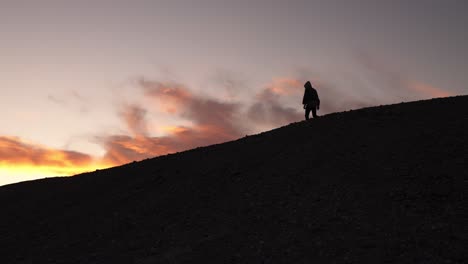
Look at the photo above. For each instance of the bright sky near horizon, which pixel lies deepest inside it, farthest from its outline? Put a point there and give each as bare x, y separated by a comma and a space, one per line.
92, 84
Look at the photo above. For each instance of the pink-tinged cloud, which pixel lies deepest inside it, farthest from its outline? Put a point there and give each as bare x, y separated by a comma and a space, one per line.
285, 87
122, 149
394, 83
272, 107
202, 111
135, 118
171, 96
214, 121
428, 90
273, 114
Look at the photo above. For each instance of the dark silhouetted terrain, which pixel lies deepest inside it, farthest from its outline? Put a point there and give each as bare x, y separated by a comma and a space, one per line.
377, 185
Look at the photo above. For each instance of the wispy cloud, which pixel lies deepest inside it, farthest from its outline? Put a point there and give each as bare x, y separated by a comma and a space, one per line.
272, 105
229, 84
72, 99
284, 87
392, 83
56, 100
134, 117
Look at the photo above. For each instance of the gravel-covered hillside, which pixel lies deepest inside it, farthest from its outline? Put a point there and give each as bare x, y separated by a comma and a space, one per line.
385, 184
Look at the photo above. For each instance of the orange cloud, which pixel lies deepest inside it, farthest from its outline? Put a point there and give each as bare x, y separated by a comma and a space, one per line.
427, 89
202, 111
15, 150
214, 121
21, 157
285, 86
122, 149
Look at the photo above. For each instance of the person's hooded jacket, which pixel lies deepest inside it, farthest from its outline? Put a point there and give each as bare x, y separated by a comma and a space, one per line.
310, 95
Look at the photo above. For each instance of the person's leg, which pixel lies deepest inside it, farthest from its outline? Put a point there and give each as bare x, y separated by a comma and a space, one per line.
314, 112
307, 112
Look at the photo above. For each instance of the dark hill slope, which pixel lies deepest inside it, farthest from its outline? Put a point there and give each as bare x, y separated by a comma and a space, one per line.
377, 185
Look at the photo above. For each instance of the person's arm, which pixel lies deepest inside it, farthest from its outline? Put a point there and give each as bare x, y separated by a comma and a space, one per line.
318, 100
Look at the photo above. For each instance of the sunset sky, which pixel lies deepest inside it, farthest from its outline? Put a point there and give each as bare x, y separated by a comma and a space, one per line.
92, 84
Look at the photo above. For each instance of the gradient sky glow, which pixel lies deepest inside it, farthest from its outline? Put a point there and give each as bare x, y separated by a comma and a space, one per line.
91, 84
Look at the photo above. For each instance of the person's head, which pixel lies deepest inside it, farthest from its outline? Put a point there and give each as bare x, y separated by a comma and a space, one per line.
307, 85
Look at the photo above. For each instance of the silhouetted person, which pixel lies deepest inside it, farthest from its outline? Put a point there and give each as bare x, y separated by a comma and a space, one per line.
310, 100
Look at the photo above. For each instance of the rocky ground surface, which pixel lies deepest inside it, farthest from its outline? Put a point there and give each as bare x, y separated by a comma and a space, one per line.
385, 184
